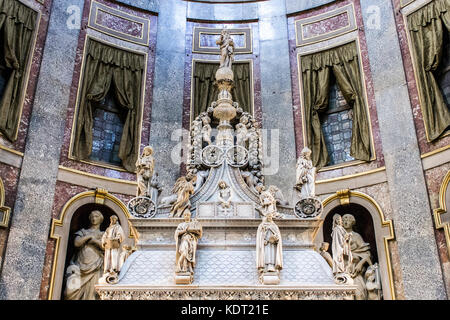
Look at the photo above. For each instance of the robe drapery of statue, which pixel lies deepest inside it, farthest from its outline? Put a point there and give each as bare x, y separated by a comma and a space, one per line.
186, 238
340, 246
144, 169
184, 188
86, 266
111, 241
306, 174
226, 44
269, 252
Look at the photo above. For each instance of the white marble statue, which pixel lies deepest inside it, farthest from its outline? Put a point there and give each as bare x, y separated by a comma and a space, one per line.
306, 174
206, 129
373, 282
323, 250
225, 207
111, 241
184, 188
226, 44
269, 248
145, 165
340, 247
268, 202
126, 252
242, 131
86, 266
186, 238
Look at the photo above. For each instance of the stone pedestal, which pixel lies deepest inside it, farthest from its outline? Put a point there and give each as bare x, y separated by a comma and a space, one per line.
183, 277
270, 278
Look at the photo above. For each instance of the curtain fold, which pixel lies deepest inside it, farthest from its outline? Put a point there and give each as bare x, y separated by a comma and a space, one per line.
109, 68
17, 24
316, 71
205, 92
428, 27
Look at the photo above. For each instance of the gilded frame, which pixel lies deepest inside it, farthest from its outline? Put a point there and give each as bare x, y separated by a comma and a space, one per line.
77, 102
26, 79
366, 100
405, 13
4, 211
351, 26
99, 196
343, 197
252, 88
143, 40
441, 215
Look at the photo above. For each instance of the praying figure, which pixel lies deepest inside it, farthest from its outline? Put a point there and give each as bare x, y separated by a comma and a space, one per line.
186, 238
145, 165
111, 240
269, 255
226, 44
306, 175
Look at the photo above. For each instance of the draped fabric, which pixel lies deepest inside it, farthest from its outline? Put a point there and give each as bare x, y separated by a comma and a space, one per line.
205, 92
316, 70
428, 27
108, 68
17, 25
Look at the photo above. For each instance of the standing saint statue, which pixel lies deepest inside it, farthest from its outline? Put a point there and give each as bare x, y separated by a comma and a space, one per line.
242, 131
85, 268
186, 238
111, 240
361, 257
226, 44
145, 165
306, 174
269, 254
184, 188
340, 247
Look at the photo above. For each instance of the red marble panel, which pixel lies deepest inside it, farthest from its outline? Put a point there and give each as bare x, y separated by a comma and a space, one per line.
424, 145
116, 23
145, 132
325, 26
296, 97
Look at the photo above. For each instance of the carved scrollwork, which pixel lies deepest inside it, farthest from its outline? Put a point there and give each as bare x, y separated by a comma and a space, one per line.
308, 208
237, 156
212, 156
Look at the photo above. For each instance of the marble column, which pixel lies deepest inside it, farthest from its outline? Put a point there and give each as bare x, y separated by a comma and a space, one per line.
419, 260
168, 87
25, 252
276, 94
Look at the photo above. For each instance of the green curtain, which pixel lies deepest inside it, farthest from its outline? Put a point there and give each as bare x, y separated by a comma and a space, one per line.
122, 71
428, 27
316, 71
17, 24
205, 92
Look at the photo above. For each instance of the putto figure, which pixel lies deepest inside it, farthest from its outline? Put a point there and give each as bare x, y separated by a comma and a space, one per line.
186, 238
144, 169
85, 268
226, 44
184, 188
306, 175
111, 241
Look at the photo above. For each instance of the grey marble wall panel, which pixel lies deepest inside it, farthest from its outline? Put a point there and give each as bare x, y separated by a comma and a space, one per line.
222, 12
293, 6
419, 260
25, 253
148, 5
168, 88
276, 95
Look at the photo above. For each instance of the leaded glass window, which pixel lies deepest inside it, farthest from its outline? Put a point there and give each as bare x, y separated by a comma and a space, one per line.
443, 72
337, 127
107, 131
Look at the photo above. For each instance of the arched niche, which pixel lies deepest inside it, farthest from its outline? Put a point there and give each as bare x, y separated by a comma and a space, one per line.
441, 214
370, 224
74, 216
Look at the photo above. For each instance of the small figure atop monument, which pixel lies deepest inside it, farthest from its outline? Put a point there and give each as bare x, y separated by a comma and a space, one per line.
226, 44
306, 174
145, 166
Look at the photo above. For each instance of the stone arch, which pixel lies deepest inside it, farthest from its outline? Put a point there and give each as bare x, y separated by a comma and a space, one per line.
441, 214
60, 230
383, 231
